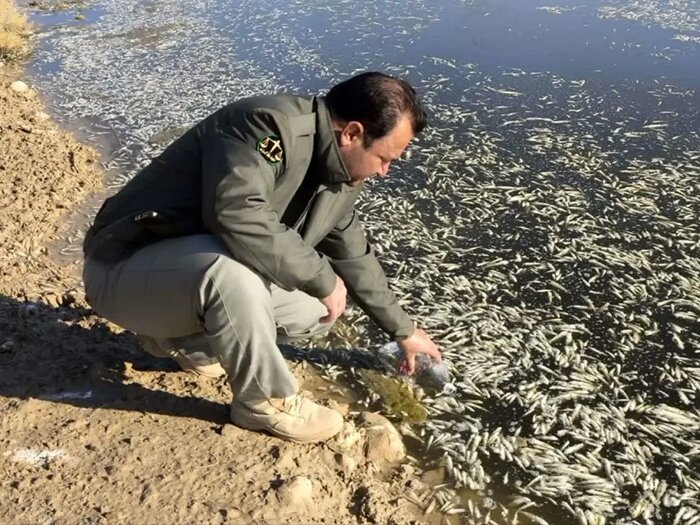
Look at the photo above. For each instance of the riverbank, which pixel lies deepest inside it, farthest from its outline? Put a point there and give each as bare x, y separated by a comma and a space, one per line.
45, 173
93, 430
14, 29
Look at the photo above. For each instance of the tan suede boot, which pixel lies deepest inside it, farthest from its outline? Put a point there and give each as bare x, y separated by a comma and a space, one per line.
293, 418
214, 370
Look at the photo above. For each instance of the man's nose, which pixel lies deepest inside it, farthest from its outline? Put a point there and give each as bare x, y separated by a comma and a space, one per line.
385, 169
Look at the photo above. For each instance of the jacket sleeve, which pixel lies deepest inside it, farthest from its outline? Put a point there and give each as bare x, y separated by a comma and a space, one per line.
237, 185
354, 261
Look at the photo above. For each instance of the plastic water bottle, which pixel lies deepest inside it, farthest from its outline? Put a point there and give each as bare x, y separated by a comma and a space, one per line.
429, 373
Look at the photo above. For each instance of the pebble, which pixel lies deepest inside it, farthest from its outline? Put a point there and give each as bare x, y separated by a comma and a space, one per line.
70, 297
19, 87
287, 459
298, 491
372, 506
383, 441
7, 346
348, 464
53, 300
29, 310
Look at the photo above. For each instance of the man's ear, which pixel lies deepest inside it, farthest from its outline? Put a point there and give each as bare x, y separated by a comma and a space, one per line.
352, 132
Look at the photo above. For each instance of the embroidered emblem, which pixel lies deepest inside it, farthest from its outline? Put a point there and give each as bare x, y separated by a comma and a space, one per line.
270, 147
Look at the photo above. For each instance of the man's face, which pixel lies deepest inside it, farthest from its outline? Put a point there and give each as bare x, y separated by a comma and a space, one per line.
374, 161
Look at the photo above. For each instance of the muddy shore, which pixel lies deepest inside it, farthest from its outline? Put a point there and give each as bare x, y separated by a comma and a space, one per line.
92, 430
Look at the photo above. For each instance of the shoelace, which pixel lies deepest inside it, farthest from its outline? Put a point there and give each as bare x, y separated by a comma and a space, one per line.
294, 403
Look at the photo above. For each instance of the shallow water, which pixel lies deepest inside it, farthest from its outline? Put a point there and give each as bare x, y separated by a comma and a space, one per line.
171, 63
547, 232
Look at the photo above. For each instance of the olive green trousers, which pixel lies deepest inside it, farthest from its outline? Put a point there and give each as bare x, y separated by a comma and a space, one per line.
188, 294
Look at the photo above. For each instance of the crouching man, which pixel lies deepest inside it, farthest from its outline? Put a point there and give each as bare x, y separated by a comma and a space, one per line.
242, 234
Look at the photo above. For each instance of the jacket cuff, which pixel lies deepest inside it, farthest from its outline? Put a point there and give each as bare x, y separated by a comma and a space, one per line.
405, 332
369, 289
323, 284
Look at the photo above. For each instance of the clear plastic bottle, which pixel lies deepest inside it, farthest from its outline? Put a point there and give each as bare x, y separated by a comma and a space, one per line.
428, 374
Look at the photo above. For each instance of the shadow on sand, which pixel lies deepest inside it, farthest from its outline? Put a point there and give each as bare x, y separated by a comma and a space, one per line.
58, 353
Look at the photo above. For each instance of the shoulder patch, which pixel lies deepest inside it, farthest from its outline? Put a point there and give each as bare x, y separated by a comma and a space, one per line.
270, 147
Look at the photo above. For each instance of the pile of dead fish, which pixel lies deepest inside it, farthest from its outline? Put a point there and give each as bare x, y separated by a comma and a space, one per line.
552, 247
678, 15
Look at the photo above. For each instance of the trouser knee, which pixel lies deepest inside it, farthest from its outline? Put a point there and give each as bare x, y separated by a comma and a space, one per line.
237, 286
297, 316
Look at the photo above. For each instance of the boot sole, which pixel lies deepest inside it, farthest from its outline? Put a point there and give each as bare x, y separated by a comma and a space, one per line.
243, 420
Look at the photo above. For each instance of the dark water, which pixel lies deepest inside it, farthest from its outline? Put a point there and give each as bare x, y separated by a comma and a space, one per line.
494, 35
151, 68
575, 44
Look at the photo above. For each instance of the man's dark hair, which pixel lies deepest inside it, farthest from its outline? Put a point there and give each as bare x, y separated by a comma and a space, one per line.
377, 101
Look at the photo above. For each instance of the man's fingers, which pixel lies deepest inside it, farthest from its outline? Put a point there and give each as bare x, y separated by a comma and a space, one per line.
435, 354
328, 318
408, 365
332, 316
432, 350
335, 302
411, 365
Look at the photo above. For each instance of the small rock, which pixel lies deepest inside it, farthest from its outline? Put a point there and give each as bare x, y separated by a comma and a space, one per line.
372, 506
346, 438
287, 459
70, 297
383, 441
347, 463
28, 310
296, 492
406, 471
42, 116
7, 346
19, 87
52, 299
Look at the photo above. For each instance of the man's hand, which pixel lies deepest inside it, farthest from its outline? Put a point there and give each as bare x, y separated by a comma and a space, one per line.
418, 343
335, 302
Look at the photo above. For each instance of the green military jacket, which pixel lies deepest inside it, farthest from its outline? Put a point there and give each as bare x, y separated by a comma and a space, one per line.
234, 175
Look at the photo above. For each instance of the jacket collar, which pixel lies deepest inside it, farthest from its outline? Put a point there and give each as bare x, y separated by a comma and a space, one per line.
327, 160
